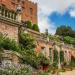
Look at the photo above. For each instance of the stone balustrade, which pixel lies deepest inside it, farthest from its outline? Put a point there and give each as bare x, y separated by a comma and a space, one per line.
7, 13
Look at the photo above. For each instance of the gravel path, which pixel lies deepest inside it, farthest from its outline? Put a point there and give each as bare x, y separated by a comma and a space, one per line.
68, 73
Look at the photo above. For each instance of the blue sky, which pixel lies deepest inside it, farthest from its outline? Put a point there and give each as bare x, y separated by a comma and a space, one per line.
53, 13
64, 19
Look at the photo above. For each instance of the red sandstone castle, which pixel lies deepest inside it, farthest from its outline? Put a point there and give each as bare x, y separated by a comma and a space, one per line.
29, 9
10, 27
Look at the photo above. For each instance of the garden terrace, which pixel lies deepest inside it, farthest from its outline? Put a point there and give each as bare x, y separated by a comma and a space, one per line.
37, 35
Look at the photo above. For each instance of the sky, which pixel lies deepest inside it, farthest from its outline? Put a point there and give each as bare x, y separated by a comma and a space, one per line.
54, 13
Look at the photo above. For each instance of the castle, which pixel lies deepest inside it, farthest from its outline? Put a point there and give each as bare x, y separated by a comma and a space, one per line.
29, 9
9, 26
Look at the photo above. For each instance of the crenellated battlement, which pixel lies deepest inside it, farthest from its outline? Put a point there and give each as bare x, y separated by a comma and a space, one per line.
32, 2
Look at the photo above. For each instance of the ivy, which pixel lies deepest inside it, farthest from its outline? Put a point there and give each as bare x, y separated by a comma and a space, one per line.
61, 56
55, 59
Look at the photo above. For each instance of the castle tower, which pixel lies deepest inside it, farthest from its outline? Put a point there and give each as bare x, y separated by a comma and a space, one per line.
29, 9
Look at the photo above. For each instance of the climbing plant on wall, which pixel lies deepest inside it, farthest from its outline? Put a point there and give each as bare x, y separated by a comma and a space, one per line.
55, 59
61, 56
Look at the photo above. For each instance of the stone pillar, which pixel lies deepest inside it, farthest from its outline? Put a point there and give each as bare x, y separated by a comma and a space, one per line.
59, 64
19, 12
58, 49
13, 16
47, 51
9, 14
18, 17
51, 55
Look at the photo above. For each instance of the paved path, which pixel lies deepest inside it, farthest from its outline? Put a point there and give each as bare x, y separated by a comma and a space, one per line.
69, 73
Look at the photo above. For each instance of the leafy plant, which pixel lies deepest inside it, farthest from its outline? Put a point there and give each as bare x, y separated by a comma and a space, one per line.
5, 70
69, 40
26, 41
35, 27
61, 56
8, 44
45, 74
28, 24
55, 59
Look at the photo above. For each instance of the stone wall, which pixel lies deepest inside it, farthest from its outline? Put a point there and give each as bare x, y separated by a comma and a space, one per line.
10, 57
9, 30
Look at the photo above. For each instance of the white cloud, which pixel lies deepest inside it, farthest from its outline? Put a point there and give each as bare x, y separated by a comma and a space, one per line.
46, 7
35, 1
44, 24
72, 13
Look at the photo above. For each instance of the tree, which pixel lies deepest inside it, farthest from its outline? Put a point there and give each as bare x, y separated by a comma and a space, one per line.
35, 27
65, 31
70, 40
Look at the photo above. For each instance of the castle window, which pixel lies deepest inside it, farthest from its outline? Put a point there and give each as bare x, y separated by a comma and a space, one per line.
13, 1
31, 11
23, 8
18, 1
3, 5
23, 2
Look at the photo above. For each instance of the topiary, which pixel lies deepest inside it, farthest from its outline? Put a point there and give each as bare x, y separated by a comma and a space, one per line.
35, 27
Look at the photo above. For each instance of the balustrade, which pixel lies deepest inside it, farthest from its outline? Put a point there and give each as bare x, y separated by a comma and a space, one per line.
4, 12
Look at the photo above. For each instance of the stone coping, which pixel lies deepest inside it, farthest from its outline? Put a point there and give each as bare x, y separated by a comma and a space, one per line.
12, 52
10, 21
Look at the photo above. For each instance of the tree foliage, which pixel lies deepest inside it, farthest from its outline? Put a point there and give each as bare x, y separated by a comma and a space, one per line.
65, 31
69, 40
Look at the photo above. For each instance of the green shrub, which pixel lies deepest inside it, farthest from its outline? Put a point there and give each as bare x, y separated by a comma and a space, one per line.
25, 48
28, 24
8, 44
35, 27
26, 41
69, 40
45, 74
